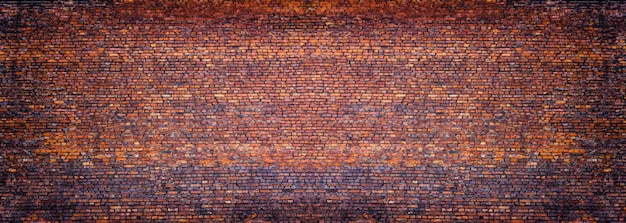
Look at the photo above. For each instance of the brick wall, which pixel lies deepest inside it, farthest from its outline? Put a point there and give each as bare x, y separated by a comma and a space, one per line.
407, 111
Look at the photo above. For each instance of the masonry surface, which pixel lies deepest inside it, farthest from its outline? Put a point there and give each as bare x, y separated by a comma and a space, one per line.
311, 111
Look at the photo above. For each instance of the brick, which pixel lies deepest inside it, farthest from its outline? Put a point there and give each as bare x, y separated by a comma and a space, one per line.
311, 111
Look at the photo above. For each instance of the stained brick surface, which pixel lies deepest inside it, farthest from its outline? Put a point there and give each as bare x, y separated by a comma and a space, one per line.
310, 111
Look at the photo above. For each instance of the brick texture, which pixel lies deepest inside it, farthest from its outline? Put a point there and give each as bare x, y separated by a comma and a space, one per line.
311, 111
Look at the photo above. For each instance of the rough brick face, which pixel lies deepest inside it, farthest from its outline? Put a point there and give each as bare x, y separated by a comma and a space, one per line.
310, 111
